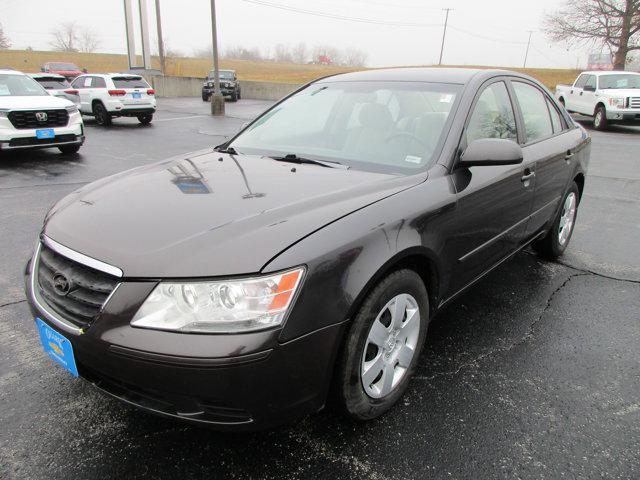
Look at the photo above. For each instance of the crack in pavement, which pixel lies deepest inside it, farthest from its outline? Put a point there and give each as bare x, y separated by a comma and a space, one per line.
15, 302
522, 340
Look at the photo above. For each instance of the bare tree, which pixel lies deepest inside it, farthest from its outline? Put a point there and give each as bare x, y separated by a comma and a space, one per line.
354, 57
299, 53
614, 24
242, 53
332, 53
88, 42
4, 40
65, 37
282, 53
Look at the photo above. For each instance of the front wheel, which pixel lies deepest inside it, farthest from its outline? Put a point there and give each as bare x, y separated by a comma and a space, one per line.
145, 118
205, 98
555, 242
600, 118
383, 345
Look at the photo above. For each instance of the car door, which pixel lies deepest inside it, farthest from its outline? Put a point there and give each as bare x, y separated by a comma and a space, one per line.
83, 85
493, 201
547, 150
588, 96
572, 102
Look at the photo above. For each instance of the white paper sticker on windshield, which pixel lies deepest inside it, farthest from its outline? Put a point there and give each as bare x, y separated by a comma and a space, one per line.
446, 98
4, 89
412, 159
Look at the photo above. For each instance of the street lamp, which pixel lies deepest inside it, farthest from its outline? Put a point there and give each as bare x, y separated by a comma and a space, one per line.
217, 100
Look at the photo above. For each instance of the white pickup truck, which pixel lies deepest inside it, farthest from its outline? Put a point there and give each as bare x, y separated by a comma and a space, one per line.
608, 97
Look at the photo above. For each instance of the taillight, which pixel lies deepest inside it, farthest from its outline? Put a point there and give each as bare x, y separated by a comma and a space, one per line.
117, 93
72, 92
151, 91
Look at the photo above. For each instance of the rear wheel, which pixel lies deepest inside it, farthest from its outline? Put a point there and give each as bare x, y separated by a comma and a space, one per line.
234, 97
383, 345
600, 118
102, 116
145, 118
555, 242
561, 100
205, 98
69, 149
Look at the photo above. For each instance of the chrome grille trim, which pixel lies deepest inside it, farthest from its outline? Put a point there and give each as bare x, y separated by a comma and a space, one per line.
81, 258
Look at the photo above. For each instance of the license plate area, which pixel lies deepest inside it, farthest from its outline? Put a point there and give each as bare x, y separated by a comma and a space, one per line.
136, 95
57, 346
43, 133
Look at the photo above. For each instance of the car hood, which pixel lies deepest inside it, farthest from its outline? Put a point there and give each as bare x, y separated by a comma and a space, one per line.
33, 102
209, 214
621, 92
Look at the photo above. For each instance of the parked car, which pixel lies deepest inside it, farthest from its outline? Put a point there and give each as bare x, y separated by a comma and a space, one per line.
229, 85
67, 70
57, 86
105, 96
31, 118
307, 254
608, 97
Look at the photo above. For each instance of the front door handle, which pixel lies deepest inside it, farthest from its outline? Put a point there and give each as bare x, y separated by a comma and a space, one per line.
568, 156
528, 175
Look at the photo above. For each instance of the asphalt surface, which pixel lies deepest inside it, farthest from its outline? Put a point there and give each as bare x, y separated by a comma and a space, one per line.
534, 373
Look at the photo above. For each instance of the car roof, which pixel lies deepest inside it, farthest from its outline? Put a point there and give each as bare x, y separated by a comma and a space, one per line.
419, 74
10, 71
48, 75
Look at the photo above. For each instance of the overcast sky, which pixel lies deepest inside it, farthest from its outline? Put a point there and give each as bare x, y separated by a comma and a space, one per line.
482, 32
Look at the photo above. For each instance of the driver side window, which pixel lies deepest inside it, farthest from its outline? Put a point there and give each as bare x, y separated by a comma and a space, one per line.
492, 115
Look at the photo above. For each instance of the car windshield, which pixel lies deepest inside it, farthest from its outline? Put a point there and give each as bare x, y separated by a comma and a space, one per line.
130, 82
224, 75
620, 80
53, 83
394, 127
19, 86
63, 66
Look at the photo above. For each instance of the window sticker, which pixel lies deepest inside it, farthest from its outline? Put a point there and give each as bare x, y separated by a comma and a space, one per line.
446, 98
4, 90
87, 81
412, 159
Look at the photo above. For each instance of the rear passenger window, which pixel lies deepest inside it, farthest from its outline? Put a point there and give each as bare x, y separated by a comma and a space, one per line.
537, 122
555, 117
98, 82
492, 115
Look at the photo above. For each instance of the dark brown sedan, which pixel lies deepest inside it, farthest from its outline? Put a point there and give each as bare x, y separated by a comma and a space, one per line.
234, 286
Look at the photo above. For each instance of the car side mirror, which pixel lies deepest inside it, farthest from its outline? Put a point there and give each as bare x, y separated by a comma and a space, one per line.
589, 88
491, 151
42, 69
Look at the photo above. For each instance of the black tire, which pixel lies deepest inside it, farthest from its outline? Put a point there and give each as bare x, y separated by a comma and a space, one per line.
550, 246
145, 118
350, 394
600, 118
561, 100
205, 98
69, 149
239, 94
102, 116
234, 97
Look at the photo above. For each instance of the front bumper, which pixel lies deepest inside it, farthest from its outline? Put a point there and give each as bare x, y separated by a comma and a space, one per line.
226, 91
18, 139
631, 116
228, 382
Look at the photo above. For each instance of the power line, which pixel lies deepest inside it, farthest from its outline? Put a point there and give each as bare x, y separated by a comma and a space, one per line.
483, 37
340, 17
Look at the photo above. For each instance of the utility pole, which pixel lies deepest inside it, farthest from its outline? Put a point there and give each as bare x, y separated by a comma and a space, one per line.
160, 39
217, 100
526, 53
444, 33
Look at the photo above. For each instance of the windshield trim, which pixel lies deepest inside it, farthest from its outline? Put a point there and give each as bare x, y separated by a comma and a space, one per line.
353, 164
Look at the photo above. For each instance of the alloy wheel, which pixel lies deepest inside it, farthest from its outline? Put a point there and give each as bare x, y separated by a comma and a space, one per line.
567, 219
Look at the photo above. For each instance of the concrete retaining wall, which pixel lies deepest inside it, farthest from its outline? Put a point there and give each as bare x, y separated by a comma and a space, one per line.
266, 90
168, 86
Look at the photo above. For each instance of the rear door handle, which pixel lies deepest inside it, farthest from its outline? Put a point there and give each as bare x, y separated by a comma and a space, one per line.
568, 156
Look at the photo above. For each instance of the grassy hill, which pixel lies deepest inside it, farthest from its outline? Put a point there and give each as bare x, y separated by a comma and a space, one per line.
30, 61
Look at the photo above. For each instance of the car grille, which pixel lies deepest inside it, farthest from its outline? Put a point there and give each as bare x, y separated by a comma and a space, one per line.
88, 289
27, 118
32, 141
634, 102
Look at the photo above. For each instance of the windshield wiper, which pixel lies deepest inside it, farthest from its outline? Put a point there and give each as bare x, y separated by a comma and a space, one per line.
293, 158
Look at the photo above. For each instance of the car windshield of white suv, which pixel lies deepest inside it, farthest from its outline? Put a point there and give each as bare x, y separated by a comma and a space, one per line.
619, 80
20, 86
392, 127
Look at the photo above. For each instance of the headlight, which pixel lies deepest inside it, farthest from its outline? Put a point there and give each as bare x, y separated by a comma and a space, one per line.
225, 306
4, 112
616, 102
72, 109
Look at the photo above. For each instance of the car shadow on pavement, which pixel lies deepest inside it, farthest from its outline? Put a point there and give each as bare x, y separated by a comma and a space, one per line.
46, 162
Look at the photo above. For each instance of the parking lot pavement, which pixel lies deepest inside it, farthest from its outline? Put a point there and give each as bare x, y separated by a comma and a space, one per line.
531, 374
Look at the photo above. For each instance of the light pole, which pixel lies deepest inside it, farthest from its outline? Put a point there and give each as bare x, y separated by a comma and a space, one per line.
217, 100
160, 40
444, 33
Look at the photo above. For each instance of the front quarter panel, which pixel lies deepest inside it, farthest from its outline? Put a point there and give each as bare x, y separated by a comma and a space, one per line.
346, 258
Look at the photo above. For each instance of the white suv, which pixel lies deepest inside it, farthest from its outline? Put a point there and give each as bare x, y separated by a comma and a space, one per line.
31, 118
115, 95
